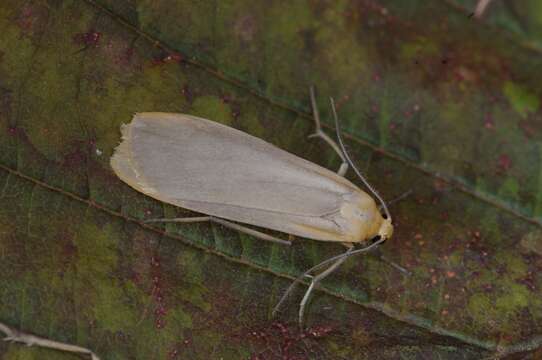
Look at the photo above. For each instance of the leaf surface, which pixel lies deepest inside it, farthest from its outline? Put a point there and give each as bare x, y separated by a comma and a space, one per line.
446, 107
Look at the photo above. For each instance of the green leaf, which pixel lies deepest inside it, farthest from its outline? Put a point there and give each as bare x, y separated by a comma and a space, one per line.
429, 100
522, 101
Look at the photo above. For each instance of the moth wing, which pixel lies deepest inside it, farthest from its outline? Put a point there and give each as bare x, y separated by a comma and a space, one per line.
214, 169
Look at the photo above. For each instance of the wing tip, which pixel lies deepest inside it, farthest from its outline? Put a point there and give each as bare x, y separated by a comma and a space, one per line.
123, 164
121, 160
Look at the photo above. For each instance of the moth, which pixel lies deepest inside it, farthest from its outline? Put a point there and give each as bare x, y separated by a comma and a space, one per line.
234, 178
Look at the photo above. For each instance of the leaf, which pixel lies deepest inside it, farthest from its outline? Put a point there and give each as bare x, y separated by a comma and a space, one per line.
423, 109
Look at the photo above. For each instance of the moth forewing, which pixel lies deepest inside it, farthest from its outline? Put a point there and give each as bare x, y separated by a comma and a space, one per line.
217, 170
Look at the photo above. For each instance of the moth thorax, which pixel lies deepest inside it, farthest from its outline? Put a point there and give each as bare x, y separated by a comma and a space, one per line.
363, 221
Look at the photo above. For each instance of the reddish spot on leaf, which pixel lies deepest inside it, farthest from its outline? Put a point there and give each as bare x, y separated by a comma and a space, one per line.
173, 353
27, 18
319, 331
342, 101
125, 58
245, 27
528, 281
160, 310
226, 99
464, 74
287, 340
488, 122
529, 128
160, 323
504, 163
174, 58
136, 278
187, 93
90, 38
75, 158
69, 250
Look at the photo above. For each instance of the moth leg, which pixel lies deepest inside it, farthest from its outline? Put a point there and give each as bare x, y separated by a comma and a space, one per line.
316, 279
249, 231
32, 340
307, 274
321, 134
181, 220
228, 224
391, 263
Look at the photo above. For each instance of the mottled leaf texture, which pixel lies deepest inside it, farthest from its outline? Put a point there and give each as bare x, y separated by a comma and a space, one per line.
431, 99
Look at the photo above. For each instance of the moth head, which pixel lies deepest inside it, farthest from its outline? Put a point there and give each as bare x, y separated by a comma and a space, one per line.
386, 229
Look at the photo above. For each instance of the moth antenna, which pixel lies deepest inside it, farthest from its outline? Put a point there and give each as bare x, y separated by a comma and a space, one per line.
347, 157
